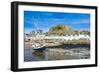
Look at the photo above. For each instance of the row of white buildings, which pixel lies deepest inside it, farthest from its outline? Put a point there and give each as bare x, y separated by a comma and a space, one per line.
67, 37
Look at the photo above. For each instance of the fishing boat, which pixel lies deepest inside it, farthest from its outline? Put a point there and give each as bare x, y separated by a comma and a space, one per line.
38, 47
37, 44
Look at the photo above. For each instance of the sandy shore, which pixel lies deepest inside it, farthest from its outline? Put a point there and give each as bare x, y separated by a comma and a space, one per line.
28, 45
76, 53
56, 51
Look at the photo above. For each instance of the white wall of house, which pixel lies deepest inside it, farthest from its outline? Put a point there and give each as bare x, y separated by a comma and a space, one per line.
71, 37
67, 37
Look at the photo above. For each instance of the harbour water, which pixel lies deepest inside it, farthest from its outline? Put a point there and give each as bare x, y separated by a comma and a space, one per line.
57, 54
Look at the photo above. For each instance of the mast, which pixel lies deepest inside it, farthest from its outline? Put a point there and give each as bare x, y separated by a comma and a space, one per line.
35, 27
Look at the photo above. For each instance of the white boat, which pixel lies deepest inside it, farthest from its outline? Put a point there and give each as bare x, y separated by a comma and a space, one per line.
38, 47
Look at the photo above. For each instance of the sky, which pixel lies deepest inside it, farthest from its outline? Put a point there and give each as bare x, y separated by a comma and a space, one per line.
44, 20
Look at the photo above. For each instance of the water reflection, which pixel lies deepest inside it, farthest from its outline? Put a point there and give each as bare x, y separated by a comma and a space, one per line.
39, 54
56, 54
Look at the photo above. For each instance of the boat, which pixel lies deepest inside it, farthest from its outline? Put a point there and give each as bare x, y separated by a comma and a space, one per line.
38, 47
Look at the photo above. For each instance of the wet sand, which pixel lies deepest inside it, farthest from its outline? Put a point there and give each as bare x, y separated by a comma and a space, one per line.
28, 45
56, 54
56, 51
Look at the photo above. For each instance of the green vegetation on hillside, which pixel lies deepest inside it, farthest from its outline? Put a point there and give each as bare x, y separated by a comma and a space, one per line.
60, 30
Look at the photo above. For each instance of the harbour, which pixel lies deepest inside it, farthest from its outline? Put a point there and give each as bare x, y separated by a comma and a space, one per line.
68, 53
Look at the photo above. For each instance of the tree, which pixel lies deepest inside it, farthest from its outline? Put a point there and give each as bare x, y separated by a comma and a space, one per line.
76, 32
85, 32
60, 30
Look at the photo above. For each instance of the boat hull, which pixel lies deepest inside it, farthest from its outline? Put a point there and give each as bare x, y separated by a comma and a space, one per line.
40, 49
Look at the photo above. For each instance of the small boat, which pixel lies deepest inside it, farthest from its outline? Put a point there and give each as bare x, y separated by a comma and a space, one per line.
38, 47
37, 44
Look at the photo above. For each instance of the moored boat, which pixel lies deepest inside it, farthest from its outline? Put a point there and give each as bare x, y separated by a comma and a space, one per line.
38, 47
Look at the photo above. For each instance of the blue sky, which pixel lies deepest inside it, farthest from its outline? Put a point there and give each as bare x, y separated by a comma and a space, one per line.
45, 20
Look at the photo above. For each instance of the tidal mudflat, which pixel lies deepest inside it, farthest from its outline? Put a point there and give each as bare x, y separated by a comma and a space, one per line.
65, 53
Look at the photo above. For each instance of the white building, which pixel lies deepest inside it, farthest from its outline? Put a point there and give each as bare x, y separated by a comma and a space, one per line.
67, 37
